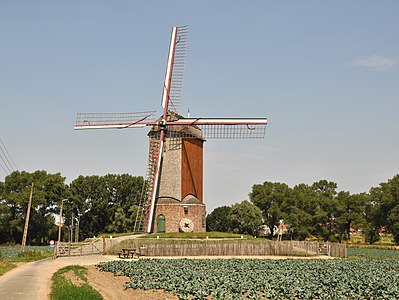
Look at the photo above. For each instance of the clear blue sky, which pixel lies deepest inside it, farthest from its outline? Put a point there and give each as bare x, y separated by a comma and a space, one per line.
324, 73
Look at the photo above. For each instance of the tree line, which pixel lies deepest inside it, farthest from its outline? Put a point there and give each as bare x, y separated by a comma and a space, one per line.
316, 210
108, 204
99, 204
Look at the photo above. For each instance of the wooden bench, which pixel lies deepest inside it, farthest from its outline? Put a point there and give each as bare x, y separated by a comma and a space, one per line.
127, 253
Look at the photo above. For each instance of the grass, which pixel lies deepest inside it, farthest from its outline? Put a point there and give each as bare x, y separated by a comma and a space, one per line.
197, 235
107, 235
33, 255
64, 289
10, 256
385, 240
357, 241
6, 266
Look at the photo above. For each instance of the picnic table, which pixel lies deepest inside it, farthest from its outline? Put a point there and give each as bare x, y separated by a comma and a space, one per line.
127, 253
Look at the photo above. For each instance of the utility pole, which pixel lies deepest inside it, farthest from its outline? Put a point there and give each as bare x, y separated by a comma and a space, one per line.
60, 223
77, 228
27, 220
72, 217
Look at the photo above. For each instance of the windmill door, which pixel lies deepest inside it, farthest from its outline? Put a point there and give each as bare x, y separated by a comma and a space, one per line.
161, 224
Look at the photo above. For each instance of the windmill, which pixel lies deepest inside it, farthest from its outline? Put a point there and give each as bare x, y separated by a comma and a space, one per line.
173, 199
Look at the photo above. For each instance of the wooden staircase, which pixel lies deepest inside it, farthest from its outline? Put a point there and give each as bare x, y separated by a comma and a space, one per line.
142, 212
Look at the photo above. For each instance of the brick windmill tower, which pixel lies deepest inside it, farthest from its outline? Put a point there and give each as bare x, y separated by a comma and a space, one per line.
173, 200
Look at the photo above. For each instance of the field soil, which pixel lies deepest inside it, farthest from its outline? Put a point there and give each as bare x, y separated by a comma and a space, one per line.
113, 287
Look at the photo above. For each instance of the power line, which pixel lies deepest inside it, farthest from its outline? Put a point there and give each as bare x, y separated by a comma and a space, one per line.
5, 157
8, 154
4, 169
5, 164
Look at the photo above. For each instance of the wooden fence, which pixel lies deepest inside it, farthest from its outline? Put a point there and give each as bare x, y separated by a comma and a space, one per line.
77, 249
233, 247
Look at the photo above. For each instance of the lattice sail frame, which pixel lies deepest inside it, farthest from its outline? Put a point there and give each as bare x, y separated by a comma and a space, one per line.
232, 128
179, 66
113, 120
254, 128
175, 66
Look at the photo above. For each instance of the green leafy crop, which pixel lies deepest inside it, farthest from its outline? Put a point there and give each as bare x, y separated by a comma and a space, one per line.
263, 279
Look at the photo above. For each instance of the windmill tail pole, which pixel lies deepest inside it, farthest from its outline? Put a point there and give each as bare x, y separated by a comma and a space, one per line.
162, 124
156, 183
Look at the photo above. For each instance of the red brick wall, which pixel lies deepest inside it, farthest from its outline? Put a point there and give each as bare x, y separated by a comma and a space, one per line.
174, 213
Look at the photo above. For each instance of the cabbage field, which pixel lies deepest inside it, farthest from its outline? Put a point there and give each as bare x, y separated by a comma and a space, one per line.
364, 253
11, 252
263, 279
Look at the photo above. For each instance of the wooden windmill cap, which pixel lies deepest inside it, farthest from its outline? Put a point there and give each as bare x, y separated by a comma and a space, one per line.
176, 131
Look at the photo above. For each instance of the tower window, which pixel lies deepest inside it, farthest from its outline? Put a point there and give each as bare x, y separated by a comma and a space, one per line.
185, 210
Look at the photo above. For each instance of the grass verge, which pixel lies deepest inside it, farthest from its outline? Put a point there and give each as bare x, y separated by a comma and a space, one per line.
114, 235
13, 257
64, 289
6, 266
197, 235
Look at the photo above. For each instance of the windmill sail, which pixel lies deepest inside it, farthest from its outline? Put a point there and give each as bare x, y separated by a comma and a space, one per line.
114, 120
221, 128
171, 99
174, 76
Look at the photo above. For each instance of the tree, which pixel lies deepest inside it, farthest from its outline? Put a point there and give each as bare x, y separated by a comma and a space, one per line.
297, 212
218, 219
124, 190
270, 198
393, 219
122, 222
14, 195
352, 212
245, 218
383, 209
326, 209
90, 197
107, 203
392, 189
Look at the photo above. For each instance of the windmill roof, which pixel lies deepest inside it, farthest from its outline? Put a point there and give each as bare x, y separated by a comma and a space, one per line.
178, 131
